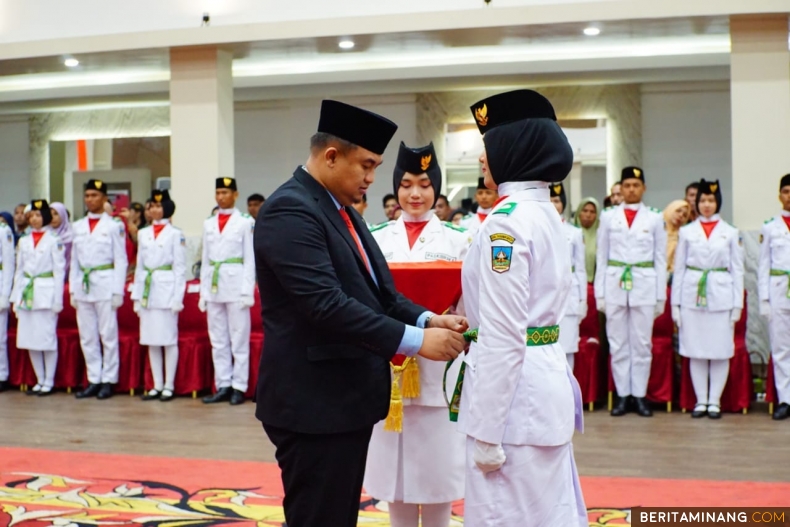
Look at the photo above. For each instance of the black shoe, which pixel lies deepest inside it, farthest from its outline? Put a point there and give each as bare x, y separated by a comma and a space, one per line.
714, 412
237, 398
782, 412
222, 395
46, 391
167, 395
621, 408
4, 386
91, 391
33, 390
642, 407
106, 391
699, 411
151, 395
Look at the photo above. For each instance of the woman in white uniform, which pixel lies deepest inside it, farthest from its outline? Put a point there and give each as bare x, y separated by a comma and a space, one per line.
520, 401
707, 298
577, 301
38, 295
419, 471
158, 293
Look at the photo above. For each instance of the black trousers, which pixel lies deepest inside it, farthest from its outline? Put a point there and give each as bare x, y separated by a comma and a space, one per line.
322, 475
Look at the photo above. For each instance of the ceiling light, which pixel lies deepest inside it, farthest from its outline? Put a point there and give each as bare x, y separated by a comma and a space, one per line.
592, 31
71, 62
346, 44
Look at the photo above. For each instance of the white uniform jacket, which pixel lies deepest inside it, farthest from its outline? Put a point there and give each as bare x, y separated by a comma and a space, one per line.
473, 222
578, 293
167, 286
774, 255
235, 241
644, 241
46, 257
106, 245
7, 261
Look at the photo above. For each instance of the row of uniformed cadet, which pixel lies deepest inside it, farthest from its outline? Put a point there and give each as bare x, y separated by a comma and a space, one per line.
419, 470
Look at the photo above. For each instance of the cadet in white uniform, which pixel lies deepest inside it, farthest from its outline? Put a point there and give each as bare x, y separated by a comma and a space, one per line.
38, 295
97, 279
485, 198
158, 293
773, 280
520, 401
419, 471
227, 282
707, 297
631, 287
577, 300
7, 263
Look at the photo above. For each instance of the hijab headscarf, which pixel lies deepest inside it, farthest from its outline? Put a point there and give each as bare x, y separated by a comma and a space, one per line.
590, 236
64, 231
9, 220
672, 231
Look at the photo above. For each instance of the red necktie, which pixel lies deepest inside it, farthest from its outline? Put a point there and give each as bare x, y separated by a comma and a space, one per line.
787, 221
629, 216
708, 227
37, 238
413, 230
482, 216
92, 223
347, 219
223, 220
158, 229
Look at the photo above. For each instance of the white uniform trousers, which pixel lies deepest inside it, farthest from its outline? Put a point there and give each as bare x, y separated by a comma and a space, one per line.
569, 337
4, 345
163, 372
780, 352
538, 486
45, 363
98, 326
709, 377
630, 332
229, 332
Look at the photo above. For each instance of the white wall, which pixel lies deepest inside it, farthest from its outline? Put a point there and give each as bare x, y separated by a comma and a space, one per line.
273, 139
685, 137
14, 155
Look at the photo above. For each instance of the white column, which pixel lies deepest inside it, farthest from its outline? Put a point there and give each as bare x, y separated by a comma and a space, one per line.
760, 92
201, 123
573, 188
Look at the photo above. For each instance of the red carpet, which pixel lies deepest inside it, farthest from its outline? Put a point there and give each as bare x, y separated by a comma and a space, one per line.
41, 487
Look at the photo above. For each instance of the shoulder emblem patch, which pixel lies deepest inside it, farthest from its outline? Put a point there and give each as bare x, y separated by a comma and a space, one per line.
506, 209
501, 258
502, 236
379, 226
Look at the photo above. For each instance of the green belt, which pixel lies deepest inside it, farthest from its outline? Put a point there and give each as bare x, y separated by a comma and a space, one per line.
627, 279
215, 275
702, 285
779, 272
147, 288
573, 269
535, 337
27, 292
86, 275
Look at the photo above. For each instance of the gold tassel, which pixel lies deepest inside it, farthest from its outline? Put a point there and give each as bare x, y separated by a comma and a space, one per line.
394, 421
411, 378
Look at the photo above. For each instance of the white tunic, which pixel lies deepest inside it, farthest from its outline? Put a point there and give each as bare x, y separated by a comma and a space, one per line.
774, 254
235, 241
474, 221
104, 246
705, 330
7, 261
158, 323
569, 325
644, 241
425, 463
516, 277
38, 325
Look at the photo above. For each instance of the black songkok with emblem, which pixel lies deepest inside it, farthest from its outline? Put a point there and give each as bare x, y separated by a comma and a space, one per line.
522, 138
418, 161
557, 190
784, 182
355, 125
711, 188
481, 183
42, 206
163, 197
632, 173
226, 182
96, 184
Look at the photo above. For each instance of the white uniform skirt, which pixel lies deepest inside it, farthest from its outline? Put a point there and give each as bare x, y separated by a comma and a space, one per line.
706, 334
158, 327
424, 464
569, 333
37, 330
538, 486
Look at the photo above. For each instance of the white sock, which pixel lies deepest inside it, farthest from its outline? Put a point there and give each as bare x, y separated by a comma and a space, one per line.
51, 366
155, 358
37, 360
436, 514
404, 514
699, 378
171, 363
719, 371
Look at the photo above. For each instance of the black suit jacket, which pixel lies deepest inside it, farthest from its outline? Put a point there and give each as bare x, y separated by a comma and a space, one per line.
329, 331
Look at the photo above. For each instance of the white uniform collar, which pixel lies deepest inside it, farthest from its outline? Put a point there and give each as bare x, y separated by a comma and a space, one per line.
511, 187
95, 216
408, 218
481, 210
632, 206
786, 213
163, 221
712, 219
226, 211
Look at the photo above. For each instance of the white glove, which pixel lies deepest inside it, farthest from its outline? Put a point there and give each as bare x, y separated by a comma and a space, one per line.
136, 306
765, 309
660, 308
600, 305
582, 310
177, 307
202, 305
4, 304
117, 301
735, 316
247, 302
14, 308
72, 301
488, 457
676, 315
57, 308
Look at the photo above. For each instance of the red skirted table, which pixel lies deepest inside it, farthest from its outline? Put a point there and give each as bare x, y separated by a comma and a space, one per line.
587, 363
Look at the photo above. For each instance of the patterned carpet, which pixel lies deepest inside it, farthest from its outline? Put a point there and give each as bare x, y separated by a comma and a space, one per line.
41, 488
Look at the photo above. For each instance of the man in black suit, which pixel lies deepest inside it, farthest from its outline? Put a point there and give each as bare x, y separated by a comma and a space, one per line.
333, 321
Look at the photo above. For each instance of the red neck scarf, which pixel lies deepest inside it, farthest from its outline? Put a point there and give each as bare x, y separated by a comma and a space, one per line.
413, 230
158, 228
708, 227
37, 237
787, 221
92, 223
498, 201
223, 220
630, 215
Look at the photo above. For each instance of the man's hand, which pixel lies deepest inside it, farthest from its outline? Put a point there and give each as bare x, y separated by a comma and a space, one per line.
441, 344
455, 323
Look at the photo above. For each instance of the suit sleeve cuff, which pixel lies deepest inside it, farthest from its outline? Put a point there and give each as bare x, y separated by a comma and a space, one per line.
411, 342
423, 318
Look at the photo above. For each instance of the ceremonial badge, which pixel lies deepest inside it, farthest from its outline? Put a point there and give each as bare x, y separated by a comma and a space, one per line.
425, 162
481, 114
637, 173
501, 257
183, 241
